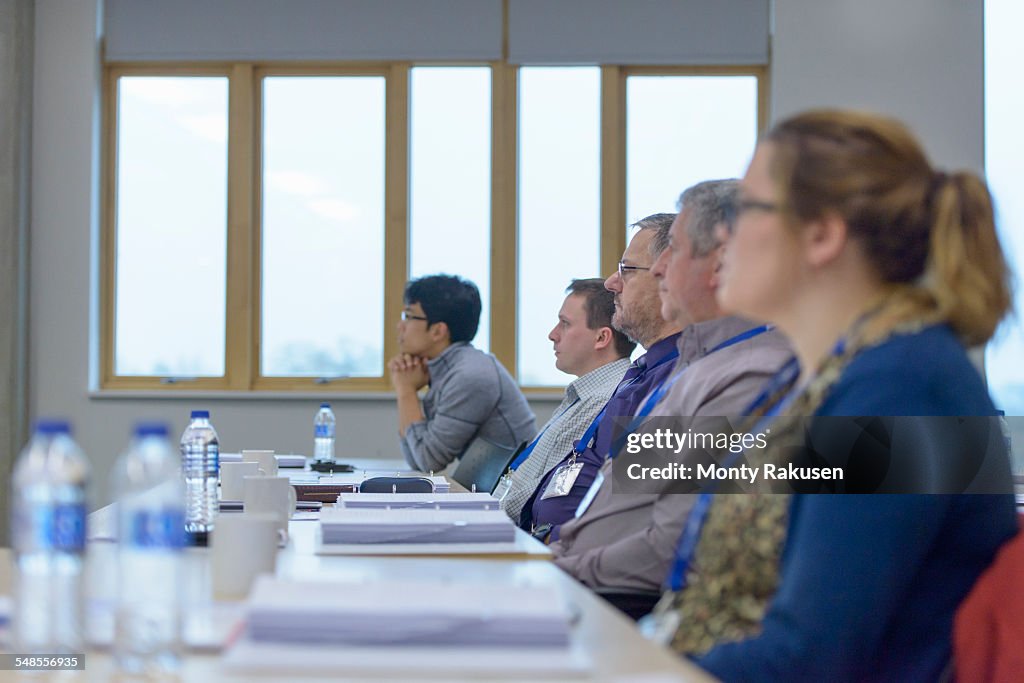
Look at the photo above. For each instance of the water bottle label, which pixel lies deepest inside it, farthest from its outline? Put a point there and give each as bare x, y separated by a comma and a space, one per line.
322, 432
61, 527
157, 529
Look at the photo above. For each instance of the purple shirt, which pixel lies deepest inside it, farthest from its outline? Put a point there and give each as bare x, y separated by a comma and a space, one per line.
646, 373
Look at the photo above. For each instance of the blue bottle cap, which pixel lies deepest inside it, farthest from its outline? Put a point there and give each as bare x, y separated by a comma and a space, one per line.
150, 429
325, 405
200, 413
52, 427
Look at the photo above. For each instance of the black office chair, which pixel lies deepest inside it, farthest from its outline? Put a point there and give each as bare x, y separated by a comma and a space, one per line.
397, 485
635, 604
483, 463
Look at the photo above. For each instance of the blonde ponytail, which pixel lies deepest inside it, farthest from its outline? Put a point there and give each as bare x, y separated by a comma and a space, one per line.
966, 271
931, 236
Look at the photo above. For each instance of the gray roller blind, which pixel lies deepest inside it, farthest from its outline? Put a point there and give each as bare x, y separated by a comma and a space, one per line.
198, 30
638, 31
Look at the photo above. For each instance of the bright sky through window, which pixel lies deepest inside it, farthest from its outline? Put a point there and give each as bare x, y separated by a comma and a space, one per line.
171, 226
323, 226
1004, 167
450, 178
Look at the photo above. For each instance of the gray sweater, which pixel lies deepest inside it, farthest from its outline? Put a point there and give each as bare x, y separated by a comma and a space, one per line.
471, 395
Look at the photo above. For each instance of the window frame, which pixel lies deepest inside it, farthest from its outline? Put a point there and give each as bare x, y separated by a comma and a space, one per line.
243, 304
395, 216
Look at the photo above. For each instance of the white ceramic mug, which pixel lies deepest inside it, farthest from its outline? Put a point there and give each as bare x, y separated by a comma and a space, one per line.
266, 459
275, 495
243, 546
232, 486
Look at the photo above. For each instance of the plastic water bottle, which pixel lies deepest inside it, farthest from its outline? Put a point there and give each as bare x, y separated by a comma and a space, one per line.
323, 434
151, 533
48, 539
199, 465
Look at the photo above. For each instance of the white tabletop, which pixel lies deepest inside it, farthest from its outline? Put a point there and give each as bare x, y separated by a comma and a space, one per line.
610, 642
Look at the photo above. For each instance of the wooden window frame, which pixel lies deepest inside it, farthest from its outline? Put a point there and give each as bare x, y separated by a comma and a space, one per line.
244, 222
396, 98
108, 232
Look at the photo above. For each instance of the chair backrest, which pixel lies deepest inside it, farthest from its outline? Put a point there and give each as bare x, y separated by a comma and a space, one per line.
397, 485
988, 631
483, 463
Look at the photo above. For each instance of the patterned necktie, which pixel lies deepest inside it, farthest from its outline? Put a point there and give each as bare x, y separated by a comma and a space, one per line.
635, 370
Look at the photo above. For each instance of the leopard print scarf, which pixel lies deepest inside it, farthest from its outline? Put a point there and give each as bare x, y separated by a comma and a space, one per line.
735, 568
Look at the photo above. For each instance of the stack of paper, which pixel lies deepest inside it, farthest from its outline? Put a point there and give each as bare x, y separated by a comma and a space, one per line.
283, 460
372, 526
426, 501
407, 613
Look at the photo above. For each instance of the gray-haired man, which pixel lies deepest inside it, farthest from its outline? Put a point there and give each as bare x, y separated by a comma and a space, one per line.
626, 540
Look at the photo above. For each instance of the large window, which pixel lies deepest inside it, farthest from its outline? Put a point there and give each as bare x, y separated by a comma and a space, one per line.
1004, 166
260, 221
322, 245
450, 178
681, 130
559, 204
171, 215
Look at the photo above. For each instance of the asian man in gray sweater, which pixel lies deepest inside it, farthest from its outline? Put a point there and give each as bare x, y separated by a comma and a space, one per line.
471, 395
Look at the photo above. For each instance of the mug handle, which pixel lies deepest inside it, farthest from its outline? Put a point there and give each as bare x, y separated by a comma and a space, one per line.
293, 500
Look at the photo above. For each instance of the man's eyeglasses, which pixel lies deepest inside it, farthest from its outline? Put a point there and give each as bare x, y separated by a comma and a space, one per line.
623, 269
406, 315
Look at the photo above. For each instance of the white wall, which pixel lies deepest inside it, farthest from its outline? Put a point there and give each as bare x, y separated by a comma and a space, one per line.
921, 61
918, 59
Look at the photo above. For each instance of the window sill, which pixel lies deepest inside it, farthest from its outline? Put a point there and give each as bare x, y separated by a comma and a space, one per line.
213, 395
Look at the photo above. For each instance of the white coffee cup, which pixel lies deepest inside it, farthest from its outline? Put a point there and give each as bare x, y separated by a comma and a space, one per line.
243, 547
266, 459
275, 495
232, 486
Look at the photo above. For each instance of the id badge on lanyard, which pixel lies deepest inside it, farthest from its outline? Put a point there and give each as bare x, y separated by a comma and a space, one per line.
661, 625
565, 476
562, 481
504, 485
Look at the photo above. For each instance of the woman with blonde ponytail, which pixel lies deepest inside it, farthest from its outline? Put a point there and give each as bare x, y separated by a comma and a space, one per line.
881, 270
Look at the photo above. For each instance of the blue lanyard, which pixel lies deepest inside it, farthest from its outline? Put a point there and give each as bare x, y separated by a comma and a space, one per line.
588, 436
533, 444
786, 376
663, 388
666, 384
698, 515
688, 541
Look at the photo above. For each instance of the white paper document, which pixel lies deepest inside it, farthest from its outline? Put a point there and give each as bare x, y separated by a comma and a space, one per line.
408, 663
407, 612
283, 460
425, 501
372, 526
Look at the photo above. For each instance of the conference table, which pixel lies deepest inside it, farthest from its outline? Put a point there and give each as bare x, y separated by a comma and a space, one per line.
611, 646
